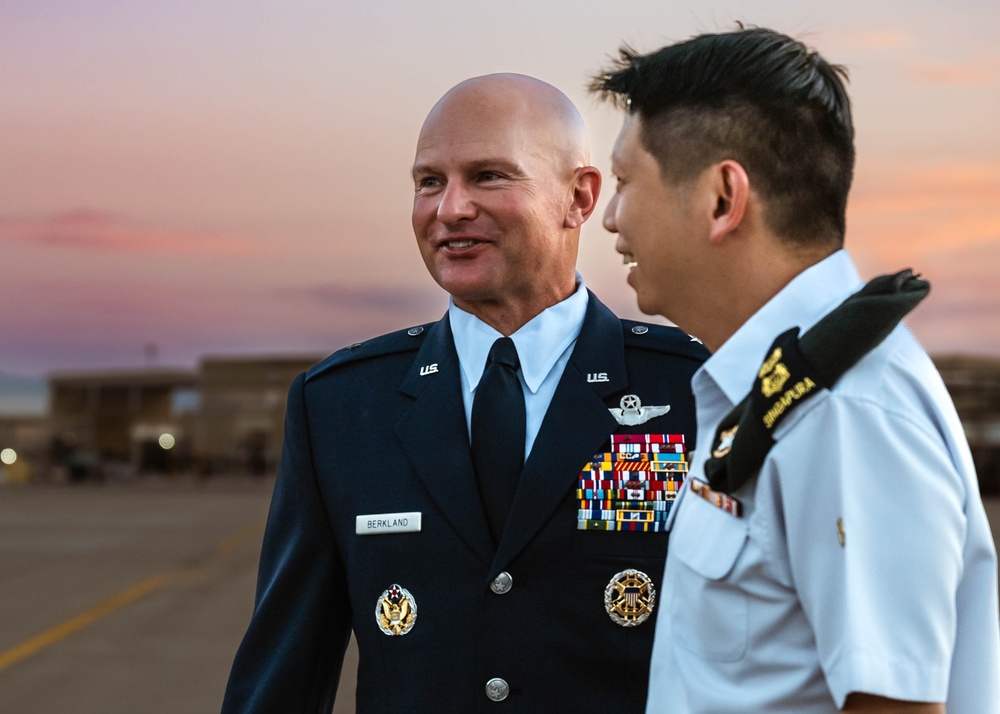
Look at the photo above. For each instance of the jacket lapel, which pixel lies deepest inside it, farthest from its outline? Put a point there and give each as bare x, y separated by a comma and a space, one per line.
575, 427
434, 435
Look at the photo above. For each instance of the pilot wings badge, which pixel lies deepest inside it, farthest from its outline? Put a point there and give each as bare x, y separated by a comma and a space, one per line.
632, 413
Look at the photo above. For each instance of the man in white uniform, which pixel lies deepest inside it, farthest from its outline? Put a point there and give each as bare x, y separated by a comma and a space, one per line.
854, 570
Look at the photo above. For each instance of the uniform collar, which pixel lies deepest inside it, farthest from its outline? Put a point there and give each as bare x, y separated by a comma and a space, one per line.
540, 342
808, 297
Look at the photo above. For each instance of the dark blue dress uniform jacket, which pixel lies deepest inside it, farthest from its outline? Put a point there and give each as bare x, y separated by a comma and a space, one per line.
365, 433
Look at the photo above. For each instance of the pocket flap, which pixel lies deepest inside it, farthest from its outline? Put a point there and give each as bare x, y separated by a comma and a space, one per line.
706, 539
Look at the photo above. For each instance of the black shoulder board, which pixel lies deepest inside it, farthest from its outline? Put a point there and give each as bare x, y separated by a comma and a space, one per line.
795, 369
663, 339
406, 340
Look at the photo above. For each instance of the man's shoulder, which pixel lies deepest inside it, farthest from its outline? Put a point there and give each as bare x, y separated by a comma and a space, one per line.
662, 339
896, 380
400, 342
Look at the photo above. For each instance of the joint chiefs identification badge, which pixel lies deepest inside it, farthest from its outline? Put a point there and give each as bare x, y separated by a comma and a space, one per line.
396, 611
629, 598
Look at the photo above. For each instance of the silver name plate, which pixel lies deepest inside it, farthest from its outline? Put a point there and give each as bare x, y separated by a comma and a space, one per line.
379, 523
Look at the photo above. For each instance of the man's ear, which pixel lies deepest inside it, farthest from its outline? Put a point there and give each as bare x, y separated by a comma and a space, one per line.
586, 189
730, 187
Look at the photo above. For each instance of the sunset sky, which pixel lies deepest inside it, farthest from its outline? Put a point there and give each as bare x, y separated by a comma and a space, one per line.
222, 177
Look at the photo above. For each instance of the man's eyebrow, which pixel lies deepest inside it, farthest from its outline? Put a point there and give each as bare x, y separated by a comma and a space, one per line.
502, 164
497, 164
420, 169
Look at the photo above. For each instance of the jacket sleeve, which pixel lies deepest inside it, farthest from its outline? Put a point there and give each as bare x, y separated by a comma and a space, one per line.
291, 655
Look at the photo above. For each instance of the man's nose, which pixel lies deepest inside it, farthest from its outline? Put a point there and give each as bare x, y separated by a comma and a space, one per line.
610, 223
456, 203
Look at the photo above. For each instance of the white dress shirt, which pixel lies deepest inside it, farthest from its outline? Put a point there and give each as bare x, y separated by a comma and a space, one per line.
544, 345
863, 560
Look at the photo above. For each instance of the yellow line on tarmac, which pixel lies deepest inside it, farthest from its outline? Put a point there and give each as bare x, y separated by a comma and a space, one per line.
240, 537
126, 597
84, 619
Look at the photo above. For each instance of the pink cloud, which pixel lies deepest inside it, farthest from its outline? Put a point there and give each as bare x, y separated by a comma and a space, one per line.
950, 74
100, 230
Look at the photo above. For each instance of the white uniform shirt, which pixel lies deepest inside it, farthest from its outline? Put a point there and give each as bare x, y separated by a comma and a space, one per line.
543, 344
770, 612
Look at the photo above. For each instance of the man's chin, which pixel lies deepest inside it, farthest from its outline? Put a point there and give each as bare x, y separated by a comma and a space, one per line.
464, 294
645, 305
466, 285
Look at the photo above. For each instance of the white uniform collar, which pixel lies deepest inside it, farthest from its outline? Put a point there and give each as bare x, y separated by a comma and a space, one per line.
809, 296
540, 342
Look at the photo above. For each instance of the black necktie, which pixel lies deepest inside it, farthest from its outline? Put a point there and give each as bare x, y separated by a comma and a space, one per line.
498, 425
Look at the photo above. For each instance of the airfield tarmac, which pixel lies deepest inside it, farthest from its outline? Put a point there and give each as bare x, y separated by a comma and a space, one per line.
132, 597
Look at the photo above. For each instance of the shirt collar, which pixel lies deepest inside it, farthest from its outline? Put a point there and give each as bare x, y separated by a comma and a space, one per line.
808, 297
540, 342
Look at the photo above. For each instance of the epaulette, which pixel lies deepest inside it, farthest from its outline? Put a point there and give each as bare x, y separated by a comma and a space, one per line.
663, 339
796, 369
407, 340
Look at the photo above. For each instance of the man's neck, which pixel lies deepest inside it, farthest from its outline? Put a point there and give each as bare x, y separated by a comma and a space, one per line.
507, 317
746, 287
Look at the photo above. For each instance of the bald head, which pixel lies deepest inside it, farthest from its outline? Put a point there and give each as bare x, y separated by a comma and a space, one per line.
502, 185
544, 118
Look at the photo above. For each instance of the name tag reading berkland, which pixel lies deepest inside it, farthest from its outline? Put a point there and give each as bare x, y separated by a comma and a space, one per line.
379, 523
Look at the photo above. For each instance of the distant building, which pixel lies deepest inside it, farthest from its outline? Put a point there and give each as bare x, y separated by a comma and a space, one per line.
974, 385
227, 416
239, 422
120, 421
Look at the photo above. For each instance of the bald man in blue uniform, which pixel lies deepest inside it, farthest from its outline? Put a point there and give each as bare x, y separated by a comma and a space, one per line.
468, 590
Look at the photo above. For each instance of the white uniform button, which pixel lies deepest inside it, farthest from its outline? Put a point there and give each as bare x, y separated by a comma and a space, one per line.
502, 583
414, 331
497, 689
640, 330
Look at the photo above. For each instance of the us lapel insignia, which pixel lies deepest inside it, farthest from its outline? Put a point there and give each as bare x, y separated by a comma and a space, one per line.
629, 598
396, 611
632, 413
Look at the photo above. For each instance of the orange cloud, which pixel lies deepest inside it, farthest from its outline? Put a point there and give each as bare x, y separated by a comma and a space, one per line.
99, 230
908, 210
962, 313
950, 74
